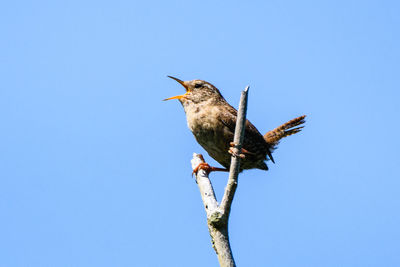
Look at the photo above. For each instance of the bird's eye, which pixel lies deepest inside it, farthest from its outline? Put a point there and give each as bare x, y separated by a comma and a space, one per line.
197, 85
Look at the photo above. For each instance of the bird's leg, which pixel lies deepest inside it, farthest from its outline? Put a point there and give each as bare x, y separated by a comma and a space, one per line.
207, 168
242, 153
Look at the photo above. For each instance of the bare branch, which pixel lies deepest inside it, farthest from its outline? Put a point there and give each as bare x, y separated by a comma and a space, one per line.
235, 161
218, 215
205, 187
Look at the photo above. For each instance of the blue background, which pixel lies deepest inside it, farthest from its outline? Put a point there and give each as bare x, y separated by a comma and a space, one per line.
95, 168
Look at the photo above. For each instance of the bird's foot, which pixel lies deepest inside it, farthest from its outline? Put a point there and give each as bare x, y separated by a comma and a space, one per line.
241, 154
233, 153
207, 168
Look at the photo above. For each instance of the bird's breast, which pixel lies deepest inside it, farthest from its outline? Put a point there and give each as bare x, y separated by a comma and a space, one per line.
205, 124
202, 118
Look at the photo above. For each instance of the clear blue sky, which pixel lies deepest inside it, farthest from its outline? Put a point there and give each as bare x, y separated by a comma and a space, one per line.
95, 168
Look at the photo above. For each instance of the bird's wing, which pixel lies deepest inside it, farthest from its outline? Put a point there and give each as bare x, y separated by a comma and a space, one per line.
253, 141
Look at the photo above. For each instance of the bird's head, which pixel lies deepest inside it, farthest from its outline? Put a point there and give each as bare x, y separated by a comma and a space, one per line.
196, 91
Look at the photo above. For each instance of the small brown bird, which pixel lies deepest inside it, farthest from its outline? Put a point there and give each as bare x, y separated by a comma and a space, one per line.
212, 121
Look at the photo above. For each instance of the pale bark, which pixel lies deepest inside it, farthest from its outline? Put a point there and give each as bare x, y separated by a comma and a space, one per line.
218, 215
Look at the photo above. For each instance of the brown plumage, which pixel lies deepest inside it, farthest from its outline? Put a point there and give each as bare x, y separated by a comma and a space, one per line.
212, 121
274, 136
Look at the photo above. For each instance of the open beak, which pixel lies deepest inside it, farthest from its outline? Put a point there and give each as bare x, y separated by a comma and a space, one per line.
183, 84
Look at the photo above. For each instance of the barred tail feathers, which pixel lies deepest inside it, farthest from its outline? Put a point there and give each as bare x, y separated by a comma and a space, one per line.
274, 136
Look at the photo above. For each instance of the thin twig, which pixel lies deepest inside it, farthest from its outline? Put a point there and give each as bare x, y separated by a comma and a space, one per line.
235, 161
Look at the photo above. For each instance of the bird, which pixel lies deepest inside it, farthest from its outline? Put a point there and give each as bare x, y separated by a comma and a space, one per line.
212, 120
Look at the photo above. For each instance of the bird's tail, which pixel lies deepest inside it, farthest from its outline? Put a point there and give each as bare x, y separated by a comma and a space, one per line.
274, 136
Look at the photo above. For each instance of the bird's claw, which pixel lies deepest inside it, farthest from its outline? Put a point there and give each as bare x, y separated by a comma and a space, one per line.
233, 153
242, 154
207, 168
203, 166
